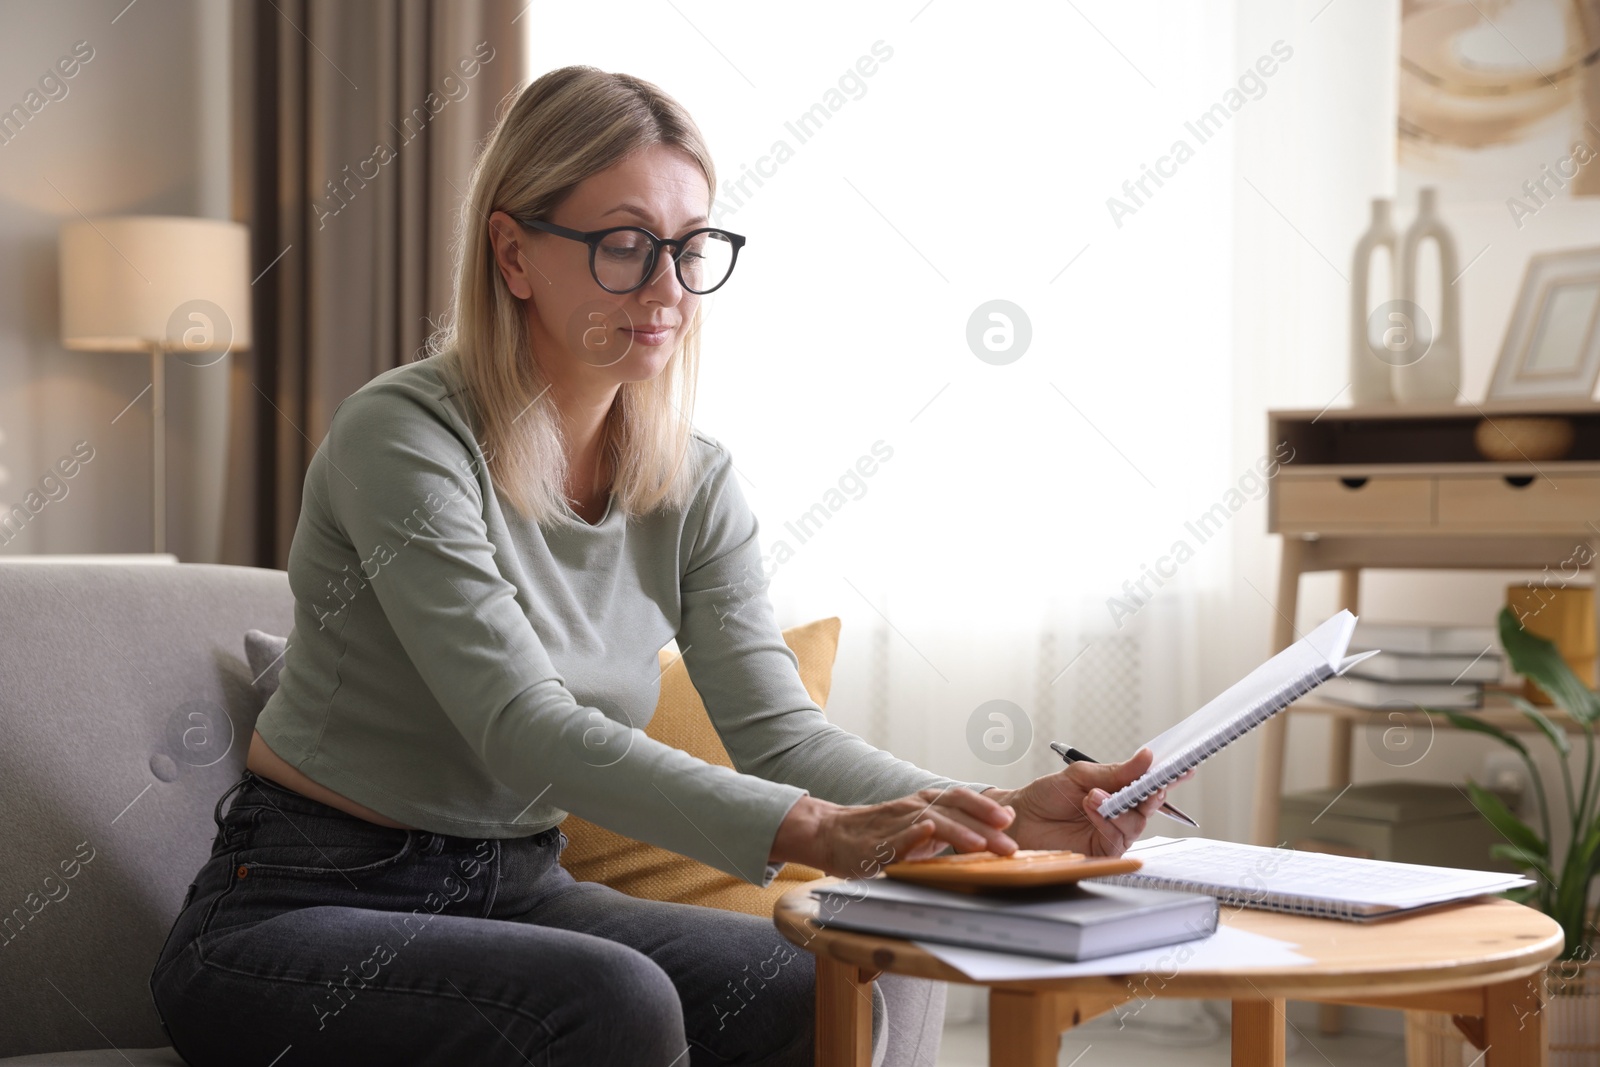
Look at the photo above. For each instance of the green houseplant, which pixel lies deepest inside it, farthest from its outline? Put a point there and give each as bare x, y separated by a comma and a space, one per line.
1560, 890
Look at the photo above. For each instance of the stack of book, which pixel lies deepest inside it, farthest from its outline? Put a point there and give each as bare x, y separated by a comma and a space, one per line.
1077, 921
1176, 895
1425, 666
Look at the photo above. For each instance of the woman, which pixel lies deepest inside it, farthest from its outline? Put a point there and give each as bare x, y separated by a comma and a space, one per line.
495, 542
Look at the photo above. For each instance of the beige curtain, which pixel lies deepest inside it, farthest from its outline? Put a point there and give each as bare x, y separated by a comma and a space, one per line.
356, 126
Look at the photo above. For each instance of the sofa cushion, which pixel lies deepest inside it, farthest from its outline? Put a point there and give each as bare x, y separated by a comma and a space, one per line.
264, 652
595, 854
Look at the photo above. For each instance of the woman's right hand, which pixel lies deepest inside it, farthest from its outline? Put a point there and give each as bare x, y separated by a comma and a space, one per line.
855, 841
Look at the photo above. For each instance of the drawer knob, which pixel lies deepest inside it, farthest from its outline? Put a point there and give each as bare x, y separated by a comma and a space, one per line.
1519, 481
1352, 483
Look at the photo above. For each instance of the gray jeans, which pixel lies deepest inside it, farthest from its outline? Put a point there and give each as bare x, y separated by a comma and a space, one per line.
335, 940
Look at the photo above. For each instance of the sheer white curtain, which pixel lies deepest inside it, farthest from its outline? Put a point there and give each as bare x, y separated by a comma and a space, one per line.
1309, 158
958, 156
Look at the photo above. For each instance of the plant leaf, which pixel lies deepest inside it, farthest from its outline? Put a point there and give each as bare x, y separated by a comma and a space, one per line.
1518, 833
1587, 856
1557, 736
1521, 857
1463, 721
1536, 658
1522, 893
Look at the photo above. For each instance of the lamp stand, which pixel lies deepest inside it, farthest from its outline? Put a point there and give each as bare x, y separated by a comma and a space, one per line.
158, 447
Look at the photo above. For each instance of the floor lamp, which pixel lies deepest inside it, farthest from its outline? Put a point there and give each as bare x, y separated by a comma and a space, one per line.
157, 285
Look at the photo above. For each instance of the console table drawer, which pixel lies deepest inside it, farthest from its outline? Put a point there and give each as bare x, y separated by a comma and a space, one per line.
1332, 502
1572, 499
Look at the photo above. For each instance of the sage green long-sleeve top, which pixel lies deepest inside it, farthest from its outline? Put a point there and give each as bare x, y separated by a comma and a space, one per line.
461, 670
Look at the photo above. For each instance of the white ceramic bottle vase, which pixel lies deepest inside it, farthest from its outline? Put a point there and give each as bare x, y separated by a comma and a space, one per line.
1369, 370
1435, 375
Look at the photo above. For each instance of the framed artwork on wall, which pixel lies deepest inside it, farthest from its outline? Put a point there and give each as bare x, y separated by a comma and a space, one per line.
1491, 94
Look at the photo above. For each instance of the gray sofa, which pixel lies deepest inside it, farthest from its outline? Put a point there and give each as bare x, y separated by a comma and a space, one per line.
127, 709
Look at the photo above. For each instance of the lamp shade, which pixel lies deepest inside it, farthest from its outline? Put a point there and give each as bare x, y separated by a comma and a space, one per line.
133, 282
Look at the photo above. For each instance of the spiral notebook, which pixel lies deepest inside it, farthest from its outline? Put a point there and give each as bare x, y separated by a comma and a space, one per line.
1248, 703
1305, 883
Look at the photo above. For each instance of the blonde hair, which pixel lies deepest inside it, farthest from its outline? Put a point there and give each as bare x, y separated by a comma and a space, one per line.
563, 127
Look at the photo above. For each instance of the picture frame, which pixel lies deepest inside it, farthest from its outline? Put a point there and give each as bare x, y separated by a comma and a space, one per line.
1552, 343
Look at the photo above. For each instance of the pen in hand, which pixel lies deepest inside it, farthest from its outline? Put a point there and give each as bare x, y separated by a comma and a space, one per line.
1072, 755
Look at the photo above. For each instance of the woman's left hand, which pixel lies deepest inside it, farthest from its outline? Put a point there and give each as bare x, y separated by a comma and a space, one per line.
1061, 810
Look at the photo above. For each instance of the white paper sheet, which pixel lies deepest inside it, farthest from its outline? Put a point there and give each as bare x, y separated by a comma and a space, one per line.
1226, 948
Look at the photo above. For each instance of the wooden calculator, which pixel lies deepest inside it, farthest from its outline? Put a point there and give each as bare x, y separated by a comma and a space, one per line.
1021, 869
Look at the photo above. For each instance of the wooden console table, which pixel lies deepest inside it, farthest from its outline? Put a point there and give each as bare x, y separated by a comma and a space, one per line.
1404, 487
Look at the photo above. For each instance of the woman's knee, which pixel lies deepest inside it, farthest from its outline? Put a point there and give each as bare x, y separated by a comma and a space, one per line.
762, 1009
628, 1010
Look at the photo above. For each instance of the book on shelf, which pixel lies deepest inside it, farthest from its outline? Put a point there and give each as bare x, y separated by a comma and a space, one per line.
1368, 693
1305, 883
1399, 667
1075, 921
1249, 702
1418, 639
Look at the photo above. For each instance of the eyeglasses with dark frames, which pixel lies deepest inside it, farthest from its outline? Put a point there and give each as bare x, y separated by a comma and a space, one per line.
623, 258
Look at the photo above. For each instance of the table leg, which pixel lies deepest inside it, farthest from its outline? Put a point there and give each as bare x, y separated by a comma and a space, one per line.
1274, 732
1258, 1033
1514, 1024
844, 1014
1341, 744
1023, 1031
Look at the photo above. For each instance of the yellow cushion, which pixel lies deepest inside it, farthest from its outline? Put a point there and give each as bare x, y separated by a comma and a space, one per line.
595, 854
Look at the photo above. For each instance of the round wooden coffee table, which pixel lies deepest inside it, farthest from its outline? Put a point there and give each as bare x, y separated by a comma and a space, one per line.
1481, 961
